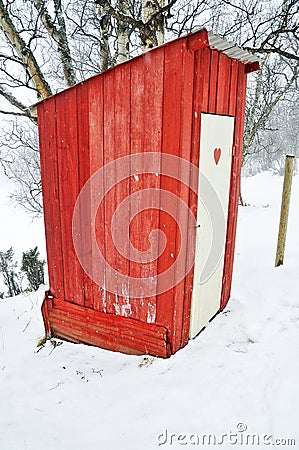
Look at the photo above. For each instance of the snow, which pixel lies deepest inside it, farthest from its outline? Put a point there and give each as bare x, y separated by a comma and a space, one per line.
240, 372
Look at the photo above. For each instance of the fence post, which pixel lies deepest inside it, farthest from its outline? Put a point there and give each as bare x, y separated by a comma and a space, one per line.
285, 203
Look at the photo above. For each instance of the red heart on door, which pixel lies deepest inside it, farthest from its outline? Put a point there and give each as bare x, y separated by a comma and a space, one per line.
217, 154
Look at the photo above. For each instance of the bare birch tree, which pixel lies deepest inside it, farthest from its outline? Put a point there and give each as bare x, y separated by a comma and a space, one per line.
275, 81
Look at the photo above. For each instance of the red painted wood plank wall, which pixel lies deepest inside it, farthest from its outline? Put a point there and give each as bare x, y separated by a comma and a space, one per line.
150, 104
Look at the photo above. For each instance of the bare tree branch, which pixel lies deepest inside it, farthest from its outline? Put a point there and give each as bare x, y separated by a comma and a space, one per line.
105, 27
59, 36
24, 52
15, 102
147, 29
273, 49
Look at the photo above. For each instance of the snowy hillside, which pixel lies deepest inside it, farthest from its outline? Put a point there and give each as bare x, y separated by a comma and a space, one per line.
238, 378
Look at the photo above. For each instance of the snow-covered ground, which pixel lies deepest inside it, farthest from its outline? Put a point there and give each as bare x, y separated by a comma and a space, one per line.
237, 380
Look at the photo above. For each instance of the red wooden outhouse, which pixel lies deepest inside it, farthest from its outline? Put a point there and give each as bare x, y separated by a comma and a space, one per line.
140, 171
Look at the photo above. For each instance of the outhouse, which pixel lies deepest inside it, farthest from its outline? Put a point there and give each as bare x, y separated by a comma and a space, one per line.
140, 171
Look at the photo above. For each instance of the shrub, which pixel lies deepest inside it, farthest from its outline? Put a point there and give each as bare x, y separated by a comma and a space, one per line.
10, 277
33, 267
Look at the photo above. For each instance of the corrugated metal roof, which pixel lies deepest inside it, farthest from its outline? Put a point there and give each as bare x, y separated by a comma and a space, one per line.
230, 49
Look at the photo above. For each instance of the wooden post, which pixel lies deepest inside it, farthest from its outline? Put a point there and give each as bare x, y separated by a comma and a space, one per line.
285, 203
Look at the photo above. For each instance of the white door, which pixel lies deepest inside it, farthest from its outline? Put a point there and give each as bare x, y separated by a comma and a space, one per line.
215, 157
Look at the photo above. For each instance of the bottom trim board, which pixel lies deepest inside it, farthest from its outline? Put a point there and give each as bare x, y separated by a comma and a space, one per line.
83, 325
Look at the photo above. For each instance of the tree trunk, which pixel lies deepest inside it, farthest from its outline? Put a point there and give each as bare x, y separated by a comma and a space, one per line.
122, 34
105, 24
154, 25
24, 53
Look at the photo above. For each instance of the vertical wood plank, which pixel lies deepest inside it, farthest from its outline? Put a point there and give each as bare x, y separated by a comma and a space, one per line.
223, 85
96, 157
204, 79
109, 155
84, 174
138, 124
67, 148
233, 88
182, 291
146, 132
122, 191
50, 187
116, 145
166, 307
213, 81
